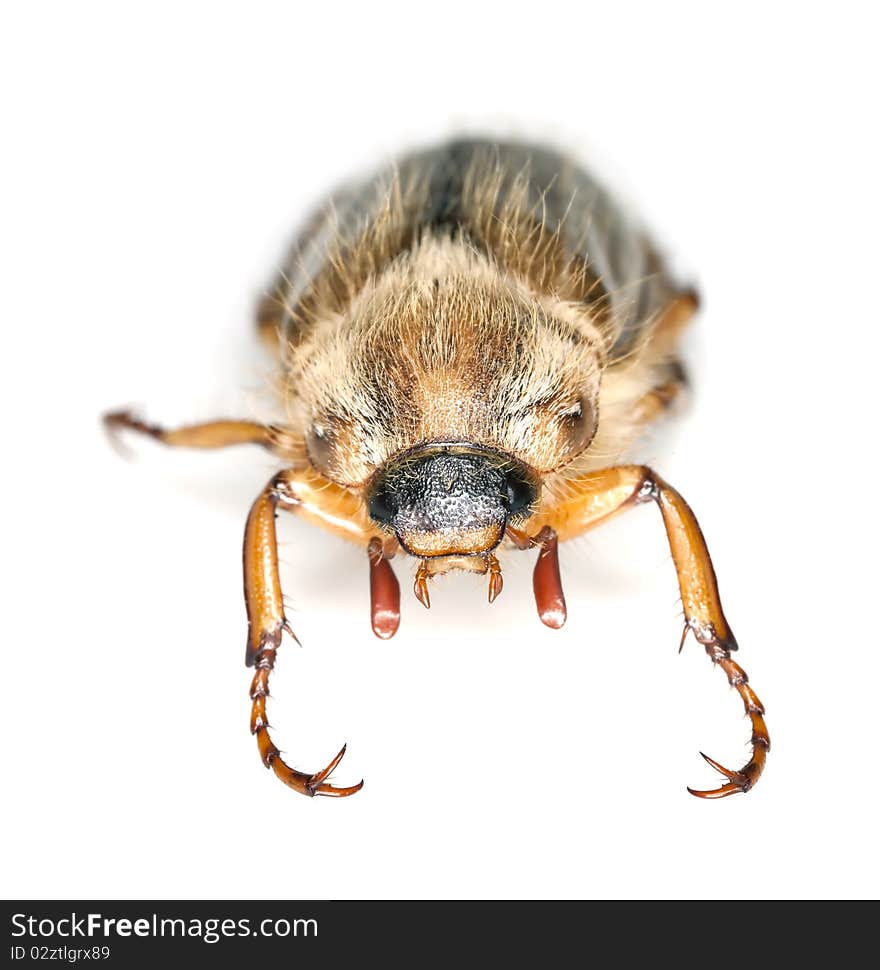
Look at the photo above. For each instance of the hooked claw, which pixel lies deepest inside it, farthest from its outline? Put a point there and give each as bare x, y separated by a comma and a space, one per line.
738, 781
116, 421
316, 785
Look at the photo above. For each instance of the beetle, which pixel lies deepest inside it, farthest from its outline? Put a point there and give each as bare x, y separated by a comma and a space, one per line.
463, 340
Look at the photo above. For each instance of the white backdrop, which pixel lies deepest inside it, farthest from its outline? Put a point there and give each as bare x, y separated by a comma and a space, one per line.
156, 162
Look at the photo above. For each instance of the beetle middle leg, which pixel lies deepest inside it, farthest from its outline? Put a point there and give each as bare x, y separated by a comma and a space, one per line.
662, 397
664, 346
209, 434
603, 494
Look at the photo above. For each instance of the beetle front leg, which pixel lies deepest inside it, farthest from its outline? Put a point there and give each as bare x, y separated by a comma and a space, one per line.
601, 495
266, 624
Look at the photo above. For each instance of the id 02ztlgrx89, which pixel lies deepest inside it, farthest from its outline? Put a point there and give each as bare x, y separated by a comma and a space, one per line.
464, 342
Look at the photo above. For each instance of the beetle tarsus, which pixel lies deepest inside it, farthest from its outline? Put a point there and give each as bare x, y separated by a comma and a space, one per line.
116, 421
306, 784
317, 783
744, 779
738, 781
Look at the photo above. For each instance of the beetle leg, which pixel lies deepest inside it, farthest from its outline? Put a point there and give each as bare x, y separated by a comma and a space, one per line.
210, 434
662, 397
315, 499
601, 495
266, 623
664, 339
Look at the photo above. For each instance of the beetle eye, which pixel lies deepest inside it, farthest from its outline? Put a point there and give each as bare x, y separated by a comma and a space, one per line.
520, 495
580, 425
380, 507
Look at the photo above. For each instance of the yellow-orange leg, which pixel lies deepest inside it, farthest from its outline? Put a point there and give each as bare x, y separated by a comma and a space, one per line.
315, 499
659, 399
210, 434
603, 494
266, 623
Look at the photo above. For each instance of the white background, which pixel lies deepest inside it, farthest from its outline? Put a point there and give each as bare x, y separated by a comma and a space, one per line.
155, 163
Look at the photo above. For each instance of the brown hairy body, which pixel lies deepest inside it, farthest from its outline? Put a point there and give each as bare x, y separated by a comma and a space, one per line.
467, 342
478, 293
